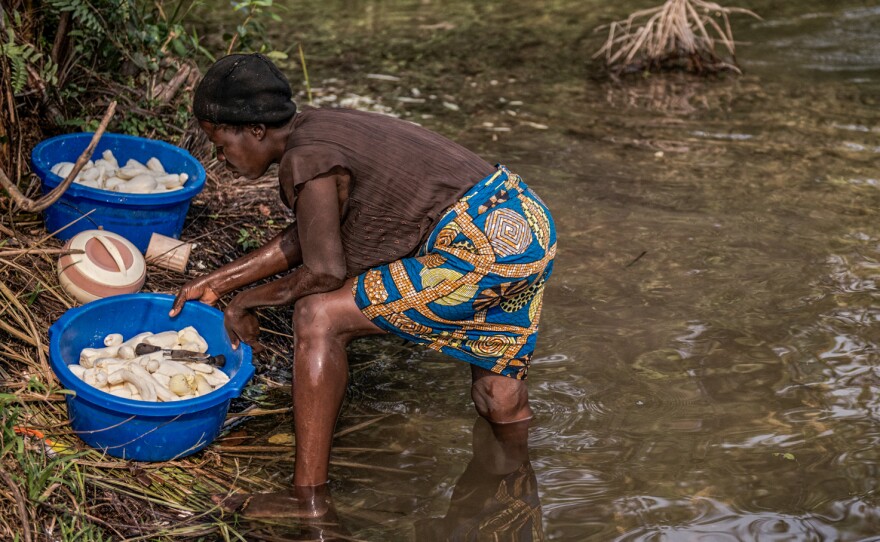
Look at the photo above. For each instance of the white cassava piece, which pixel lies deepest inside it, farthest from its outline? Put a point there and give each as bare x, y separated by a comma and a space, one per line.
132, 178
116, 370
108, 265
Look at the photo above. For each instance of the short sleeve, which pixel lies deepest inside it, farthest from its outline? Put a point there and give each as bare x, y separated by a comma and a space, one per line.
302, 164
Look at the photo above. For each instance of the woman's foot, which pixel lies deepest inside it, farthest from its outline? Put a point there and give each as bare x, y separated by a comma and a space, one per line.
299, 502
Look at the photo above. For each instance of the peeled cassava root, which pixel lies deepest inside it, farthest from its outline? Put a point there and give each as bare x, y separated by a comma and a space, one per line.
116, 369
133, 178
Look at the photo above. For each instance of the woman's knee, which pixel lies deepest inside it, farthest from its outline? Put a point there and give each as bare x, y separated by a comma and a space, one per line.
500, 399
311, 320
319, 359
331, 315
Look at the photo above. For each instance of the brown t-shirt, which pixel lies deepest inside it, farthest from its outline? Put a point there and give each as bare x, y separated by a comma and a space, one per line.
402, 178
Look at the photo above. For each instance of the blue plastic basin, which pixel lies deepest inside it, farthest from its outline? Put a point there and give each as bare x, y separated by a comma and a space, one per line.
140, 430
133, 216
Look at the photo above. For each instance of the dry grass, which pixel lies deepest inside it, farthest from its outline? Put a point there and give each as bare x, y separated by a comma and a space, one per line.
680, 34
54, 487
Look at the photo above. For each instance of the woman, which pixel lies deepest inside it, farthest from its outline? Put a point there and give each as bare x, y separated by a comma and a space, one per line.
398, 230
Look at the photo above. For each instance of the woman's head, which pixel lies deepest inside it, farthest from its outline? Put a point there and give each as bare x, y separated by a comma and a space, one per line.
242, 103
244, 89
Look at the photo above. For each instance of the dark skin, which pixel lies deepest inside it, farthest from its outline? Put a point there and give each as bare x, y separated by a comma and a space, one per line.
326, 317
313, 244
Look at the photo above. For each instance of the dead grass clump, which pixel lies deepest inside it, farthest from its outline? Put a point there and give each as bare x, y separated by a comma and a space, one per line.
680, 34
55, 487
52, 485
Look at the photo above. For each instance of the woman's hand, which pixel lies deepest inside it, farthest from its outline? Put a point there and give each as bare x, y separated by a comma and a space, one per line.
281, 253
201, 289
241, 324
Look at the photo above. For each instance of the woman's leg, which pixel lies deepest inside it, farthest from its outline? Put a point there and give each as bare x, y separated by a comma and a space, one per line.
323, 325
499, 399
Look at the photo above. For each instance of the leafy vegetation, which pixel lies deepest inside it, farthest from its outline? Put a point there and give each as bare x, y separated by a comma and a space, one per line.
63, 61
249, 239
38, 477
250, 32
20, 57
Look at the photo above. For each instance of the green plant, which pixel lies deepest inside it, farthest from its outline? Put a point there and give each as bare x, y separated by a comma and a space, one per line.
35, 472
34, 294
36, 386
115, 31
80, 54
252, 26
302, 61
73, 530
23, 56
248, 239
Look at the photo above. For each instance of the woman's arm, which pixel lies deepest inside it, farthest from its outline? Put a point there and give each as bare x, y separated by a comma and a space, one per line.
323, 268
281, 253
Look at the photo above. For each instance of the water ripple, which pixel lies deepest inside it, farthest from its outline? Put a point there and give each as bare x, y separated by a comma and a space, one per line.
714, 521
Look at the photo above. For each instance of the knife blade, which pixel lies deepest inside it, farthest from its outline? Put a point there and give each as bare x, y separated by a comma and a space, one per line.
180, 355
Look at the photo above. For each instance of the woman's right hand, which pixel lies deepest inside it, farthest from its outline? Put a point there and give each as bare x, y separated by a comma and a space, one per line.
200, 289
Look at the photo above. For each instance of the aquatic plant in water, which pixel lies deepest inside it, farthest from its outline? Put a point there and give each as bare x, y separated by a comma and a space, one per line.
680, 34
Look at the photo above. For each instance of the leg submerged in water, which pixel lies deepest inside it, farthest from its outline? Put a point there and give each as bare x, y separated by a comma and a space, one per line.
298, 502
323, 325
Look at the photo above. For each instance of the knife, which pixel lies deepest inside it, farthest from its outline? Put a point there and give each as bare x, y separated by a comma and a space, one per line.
180, 355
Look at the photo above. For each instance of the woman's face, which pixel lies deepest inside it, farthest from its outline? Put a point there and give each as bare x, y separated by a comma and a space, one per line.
242, 148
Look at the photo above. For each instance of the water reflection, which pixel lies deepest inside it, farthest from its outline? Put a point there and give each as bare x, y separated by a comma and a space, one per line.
496, 498
722, 385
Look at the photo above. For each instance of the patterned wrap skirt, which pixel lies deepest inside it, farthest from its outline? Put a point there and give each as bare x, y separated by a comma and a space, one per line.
474, 289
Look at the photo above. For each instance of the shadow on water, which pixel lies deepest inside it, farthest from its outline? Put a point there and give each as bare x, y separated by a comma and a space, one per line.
708, 366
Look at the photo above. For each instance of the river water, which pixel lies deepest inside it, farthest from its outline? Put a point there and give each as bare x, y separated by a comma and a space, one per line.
708, 363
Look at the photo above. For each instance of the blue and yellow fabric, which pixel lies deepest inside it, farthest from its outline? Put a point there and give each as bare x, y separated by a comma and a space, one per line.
474, 290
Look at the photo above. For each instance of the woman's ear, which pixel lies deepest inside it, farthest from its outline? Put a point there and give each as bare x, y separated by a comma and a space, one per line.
258, 130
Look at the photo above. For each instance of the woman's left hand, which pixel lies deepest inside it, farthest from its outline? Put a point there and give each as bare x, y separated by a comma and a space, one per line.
241, 324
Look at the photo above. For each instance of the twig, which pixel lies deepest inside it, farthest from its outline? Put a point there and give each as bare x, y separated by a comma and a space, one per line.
46, 288
29, 205
360, 426
41, 398
83, 515
244, 449
64, 227
637, 258
20, 251
165, 93
20, 335
60, 37
22, 511
33, 329
258, 412
365, 466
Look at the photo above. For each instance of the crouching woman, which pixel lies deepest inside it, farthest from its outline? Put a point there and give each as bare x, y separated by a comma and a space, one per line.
398, 230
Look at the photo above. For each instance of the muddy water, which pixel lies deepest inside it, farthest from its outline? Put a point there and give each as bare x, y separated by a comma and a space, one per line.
708, 366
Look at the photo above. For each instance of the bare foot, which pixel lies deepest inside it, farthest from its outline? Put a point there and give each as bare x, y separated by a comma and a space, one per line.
299, 502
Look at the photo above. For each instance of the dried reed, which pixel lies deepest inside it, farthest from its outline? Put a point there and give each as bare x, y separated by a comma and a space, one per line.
679, 34
55, 487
